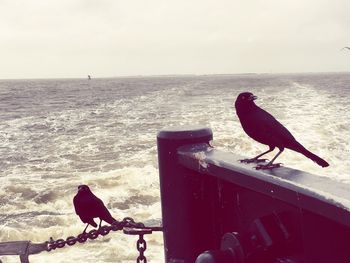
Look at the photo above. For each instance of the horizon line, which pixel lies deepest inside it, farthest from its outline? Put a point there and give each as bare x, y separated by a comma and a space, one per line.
178, 75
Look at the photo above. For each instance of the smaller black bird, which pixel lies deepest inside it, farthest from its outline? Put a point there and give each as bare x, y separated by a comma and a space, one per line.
264, 128
345, 48
88, 206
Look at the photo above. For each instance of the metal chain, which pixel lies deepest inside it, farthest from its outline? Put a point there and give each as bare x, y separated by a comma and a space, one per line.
129, 227
141, 246
93, 234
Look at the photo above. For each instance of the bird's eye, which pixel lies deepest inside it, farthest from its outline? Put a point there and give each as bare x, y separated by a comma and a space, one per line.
243, 97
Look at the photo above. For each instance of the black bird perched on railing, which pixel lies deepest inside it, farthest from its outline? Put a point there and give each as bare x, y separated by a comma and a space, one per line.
88, 206
264, 128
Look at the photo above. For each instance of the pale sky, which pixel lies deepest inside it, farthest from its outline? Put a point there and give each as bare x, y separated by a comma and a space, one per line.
110, 38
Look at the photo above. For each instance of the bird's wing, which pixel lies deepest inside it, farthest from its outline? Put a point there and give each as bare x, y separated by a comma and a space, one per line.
271, 131
103, 212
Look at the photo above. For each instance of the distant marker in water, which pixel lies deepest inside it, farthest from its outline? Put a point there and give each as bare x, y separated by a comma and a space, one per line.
89, 77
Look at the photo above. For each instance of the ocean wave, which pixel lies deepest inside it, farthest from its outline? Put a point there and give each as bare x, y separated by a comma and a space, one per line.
103, 134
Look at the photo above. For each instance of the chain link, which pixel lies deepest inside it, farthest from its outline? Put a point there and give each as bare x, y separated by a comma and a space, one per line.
93, 234
141, 246
128, 224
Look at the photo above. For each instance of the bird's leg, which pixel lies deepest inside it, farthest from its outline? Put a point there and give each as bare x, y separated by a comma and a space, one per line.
85, 228
270, 164
256, 158
99, 226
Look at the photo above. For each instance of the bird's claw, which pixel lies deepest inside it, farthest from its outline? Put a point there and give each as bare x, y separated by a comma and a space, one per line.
268, 166
253, 160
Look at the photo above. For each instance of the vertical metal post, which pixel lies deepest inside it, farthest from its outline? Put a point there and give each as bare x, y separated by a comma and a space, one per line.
24, 258
184, 213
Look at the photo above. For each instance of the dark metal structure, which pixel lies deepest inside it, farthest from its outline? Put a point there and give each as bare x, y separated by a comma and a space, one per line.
216, 209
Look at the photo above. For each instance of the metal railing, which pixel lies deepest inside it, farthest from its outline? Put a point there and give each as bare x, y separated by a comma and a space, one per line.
279, 215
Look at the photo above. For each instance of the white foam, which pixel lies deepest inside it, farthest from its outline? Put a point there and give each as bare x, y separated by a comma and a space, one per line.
105, 136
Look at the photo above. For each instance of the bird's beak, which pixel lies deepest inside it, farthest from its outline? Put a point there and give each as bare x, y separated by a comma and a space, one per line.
253, 97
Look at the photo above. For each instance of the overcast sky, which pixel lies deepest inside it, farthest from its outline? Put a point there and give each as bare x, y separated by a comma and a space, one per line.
107, 38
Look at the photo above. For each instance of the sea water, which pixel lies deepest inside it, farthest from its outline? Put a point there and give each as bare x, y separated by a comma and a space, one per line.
60, 133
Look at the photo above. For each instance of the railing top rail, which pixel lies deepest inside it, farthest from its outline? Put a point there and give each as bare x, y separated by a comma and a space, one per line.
318, 194
21, 247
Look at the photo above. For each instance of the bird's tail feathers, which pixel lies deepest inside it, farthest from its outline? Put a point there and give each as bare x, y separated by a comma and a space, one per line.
316, 159
92, 223
311, 155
